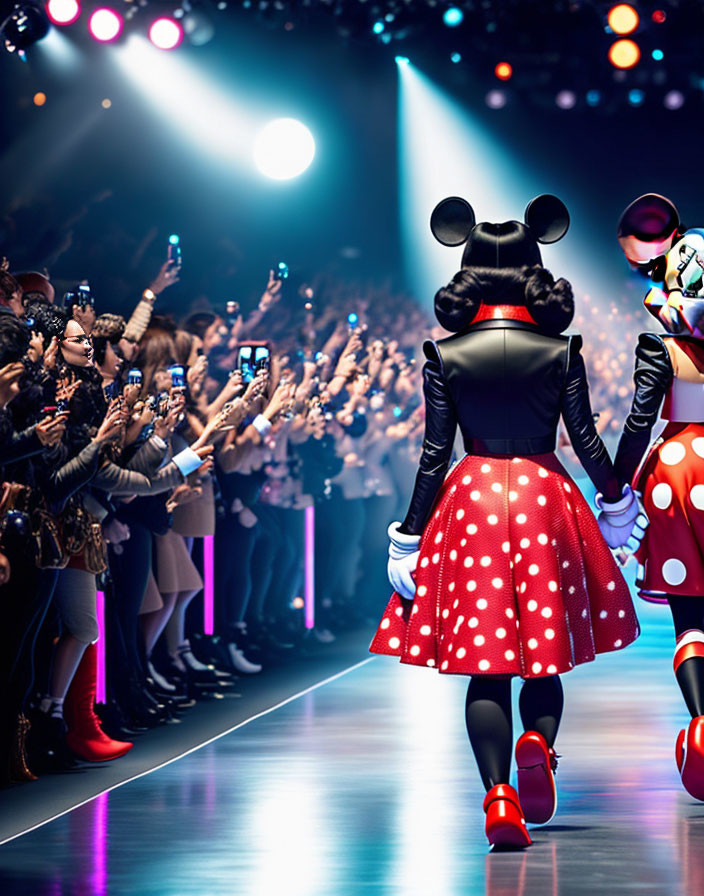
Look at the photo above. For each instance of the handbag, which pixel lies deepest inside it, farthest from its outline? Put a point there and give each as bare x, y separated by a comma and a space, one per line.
49, 552
95, 554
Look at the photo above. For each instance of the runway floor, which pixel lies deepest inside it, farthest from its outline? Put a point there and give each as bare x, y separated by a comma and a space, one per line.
365, 784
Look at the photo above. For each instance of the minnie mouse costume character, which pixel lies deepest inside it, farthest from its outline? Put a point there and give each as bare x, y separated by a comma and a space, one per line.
500, 569
672, 477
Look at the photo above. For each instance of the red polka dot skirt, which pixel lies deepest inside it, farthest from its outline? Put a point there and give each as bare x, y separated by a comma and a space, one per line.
513, 577
672, 484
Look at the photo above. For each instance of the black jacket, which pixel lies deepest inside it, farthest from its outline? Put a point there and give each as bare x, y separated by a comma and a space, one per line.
505, 383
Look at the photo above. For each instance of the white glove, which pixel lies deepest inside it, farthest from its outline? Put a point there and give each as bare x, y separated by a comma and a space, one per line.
403, 559
622, 524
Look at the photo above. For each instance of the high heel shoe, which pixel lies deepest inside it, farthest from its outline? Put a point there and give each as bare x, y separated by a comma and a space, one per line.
505, 823
19, 769
689, 751
536, 781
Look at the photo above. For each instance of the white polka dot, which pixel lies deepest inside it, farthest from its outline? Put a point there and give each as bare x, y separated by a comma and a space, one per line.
399, 611
518, 558
523, 587
430, 662
696, 496
453, 489
505, 547
513, 496
445, 613
532, 605
510, 613
611, 586
674, 571
584, 613
415, 609
523, 480
571, 590
438, 538
621, 614
672, 453
484, 665
603, 614
510, 655
618, 643
662, 495
521, 518
496, 487
453, 554
475, 495
497, 582
463, 542
543, 473
471, 529
500, 632
461, 653
542, 538
566, 486
479, 640
552, 585
546, 612
424, 562
385, 623
482, 603
492, 519
549, 633
451, 586
437, 514
486, 468
449, 648
466, 480
473, 622
436, 558
471, 585
444, 665
415, 650
532, 643
565, 564
537, 668
468, 561
455, 604
525, 543
460, 513
425, 630
551, 670
486, 560
422, 590
394, 643
542, 500
533, 569
698, 446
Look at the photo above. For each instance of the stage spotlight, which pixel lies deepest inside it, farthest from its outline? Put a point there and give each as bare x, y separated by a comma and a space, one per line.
105, 25
496, 99
566, 99
635, 97
456, 57
623, 19
26, 24
624, 54
378, 27
63, 12
503, 71
284, 149
674, 99
401, 60
453, 17
166, 34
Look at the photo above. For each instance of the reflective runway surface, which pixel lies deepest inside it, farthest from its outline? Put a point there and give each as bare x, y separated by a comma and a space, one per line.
367, 785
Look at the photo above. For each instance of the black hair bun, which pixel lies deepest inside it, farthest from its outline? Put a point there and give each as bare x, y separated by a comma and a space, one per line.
550, 302
457, 304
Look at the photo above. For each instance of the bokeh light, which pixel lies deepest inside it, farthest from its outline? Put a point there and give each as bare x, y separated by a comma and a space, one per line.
496, 99
636, 96
658, 55
284, 149
623, 19
166, 34
566, 99
659, 16
503, 71
674, 99
624, 53
105, 25
453, 17
63, 12
39, 99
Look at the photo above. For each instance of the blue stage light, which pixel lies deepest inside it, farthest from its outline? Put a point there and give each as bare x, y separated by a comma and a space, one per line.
378, 27
635, 97
658, 55
456, 57
452, 17
593, 97
352, 319
402, 60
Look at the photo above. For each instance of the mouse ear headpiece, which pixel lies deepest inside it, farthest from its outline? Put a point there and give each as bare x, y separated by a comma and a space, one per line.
647, 228
452, 221
547, 218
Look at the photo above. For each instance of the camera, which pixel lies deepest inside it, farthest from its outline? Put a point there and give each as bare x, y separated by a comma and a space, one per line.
251, 358
178, 376
174, 250
134, 377
232, 313
81, 296
281, 271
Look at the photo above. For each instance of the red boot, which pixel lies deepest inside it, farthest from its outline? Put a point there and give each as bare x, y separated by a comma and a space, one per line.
505, 824
690, 758
85, 737
536, 782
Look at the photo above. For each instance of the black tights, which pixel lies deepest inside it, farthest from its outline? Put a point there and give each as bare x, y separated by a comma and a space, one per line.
490, 725
688, 613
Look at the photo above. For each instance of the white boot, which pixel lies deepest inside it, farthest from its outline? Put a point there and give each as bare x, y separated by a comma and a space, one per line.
240, 661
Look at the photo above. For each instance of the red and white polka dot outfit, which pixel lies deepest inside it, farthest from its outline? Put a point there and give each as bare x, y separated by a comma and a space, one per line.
513, 577
672, 483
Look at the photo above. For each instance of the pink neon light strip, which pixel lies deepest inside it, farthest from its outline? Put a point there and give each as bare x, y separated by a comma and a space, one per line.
101, 690
209, 584
309, 595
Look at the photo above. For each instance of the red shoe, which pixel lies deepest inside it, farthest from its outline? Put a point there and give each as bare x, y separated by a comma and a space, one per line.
536, 781
505, 824
692, 753
679, 750
85, 737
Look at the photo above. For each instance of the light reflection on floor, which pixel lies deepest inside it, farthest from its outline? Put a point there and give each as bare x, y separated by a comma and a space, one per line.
366, 785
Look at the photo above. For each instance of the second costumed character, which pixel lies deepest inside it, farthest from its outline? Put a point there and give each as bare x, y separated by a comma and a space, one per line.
500, 568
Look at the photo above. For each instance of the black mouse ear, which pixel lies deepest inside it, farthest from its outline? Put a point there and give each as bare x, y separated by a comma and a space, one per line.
547, 218
452, 221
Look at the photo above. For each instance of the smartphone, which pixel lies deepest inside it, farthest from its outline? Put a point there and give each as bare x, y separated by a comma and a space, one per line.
162, 404
178, 376
281, 271
251, 357
134, 377
232, 313
62, 406
174, 251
